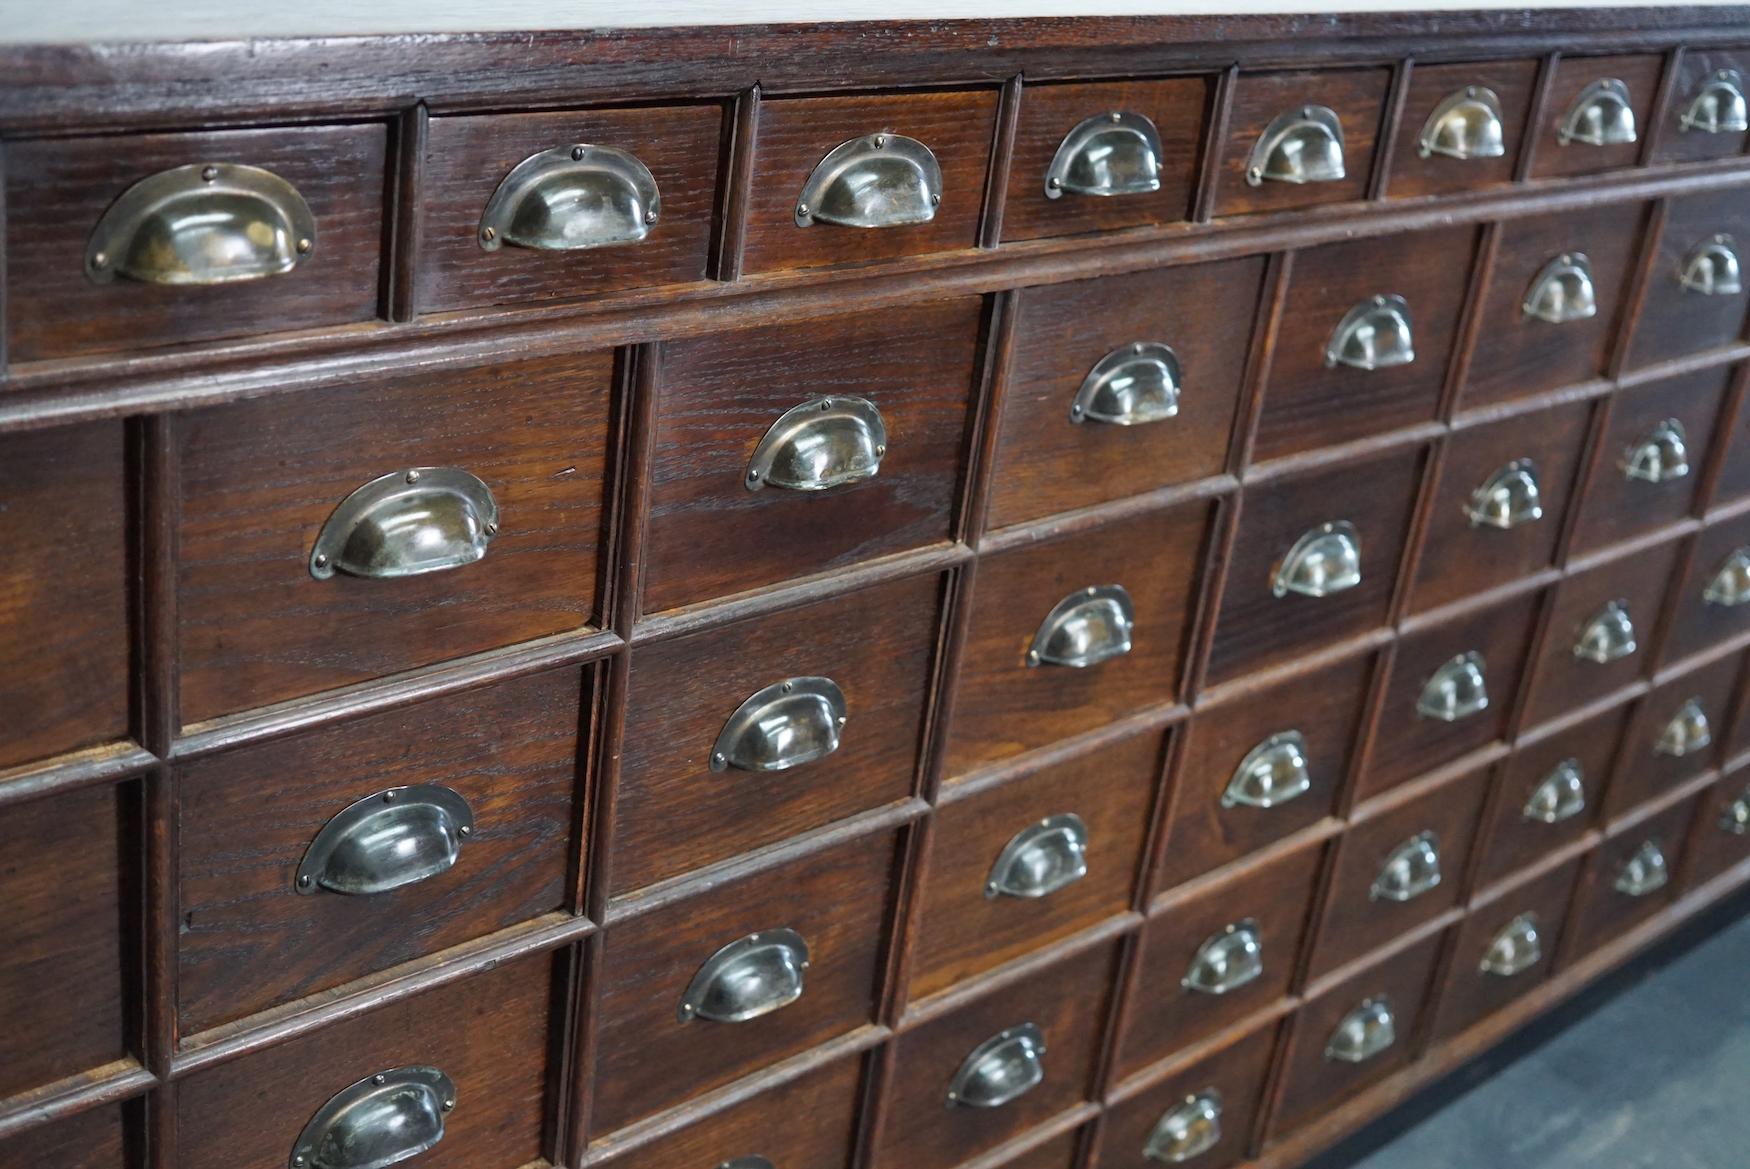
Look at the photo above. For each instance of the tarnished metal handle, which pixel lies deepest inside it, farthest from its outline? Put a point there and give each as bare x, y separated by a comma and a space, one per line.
1003, 1068
1712, 268
820, 444
1688, 731
1659, 456
1364, 1032
1558, 796
1717, 106
571, 198
1456, 690
1273, 772
1729, 586
1608, 635
1041, 859
1130, 386
207, 223
406, 523
1645, 872
1600, 116
1507, 499
1090, 626
380, 1121
1516, 948
1562, 291
395, 838
1303, 145
1375, 334
781, 726
1411, 869
749, 977
878, 180
1323, 561
1110, 154
1736, 819
1227, 960
1186, 1132
1465, 125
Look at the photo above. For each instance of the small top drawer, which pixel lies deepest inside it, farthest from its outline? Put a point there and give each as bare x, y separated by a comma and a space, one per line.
846, 179
1296, 139
1596, 114
1705, 115
1462, 127
238, 232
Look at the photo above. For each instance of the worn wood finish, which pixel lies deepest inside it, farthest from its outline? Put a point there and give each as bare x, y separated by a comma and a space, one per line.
1640, 72
1675, 321
1235, 1069
1356, 96
1472, 993
1414, 174
99, 1139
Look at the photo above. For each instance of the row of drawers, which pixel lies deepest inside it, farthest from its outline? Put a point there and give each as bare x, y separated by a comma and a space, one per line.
109, 240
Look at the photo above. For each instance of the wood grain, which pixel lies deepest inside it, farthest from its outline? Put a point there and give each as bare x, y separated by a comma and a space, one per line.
1413, 174
1644, 773
1472, 993
98, 1139
1639, 71
1693, 67
1673, 321
1236, 1070
1356, 96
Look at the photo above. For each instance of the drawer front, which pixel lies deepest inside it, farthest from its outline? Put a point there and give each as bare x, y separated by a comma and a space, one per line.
1054, 139
1300, 734
1587, 128
1505, 948
259, 625
61, 915
1620, 505
1060, 1152
1453, 117
1451, 689
1692, 302
1315, 114
1501, 504
722, 693
548, 247
1266, 621
1526, 353
1383, 886
1692, 130
1678, 732
489, 1034
1366, 337
1069, 338
1615, 893
1722, 828
1712, 605
711, 533
1066, 1002
1732, 484
650, 1056
1549, 793
59, 191
978, 905
796, 134
97, 1139
1212, 959
63, 599
287, 887
1029, 598
1229, 1080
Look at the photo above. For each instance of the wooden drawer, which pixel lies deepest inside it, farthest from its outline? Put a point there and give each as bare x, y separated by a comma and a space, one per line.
1707, 609
63, 600
1522, 354
258, 626
97, 1139
1697, 70
1353, 310
1573, 101
678, 807
1067, 1002
1440, 109
1230, 1078
1356, 97
1311, 1079
650, 1055
1721, 840
1506, 947
1682, 312
1620, 888
1549, 792
1602, 630
1058, 1152
1732, 482
1193, 946
711, 533
1493, 480
65, 892
57, 191
489, 1034
1067, 336
1176, 108
1207, 826
559, 246
1377, 864
1618, 505
1434, 711
1003, 705
267, 919
1256, 626
1677, 732
795, 135
967, 921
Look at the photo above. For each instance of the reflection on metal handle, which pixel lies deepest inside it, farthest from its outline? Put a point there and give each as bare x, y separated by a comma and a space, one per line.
1109, 154
1041, 859
1364, 1032
878, 180
749, 977
379, 1121
1004, 1067
1411, 869
571, 198
820, 444
1506, 499
208, 223
1736, 819
1130, 386
407, 523
1466, 124
1325, 560
1600, 116
1186, 1132
1086, 628
1563, 291
1558, 796
1730, 585
1645, 872
386, 841
1456, 690
1718, 106
1711, 267
1687, 732
1608, 635
1375, 334
1515, 949
1273, 772
1304, 145
1227, 960
1661, 456
781, 726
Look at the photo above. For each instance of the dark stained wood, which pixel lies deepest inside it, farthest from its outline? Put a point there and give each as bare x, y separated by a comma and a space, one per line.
1645, 773
98, 1139
1058, 1152
1639, 71
1698, 624
59, 190
1415, 174
1732, 475
1178, 107
1601, 911
1673, 320
1472, 992
258, 628
1356, 96
1236, 1070
709, 534
1716, 845
674, 813
1695, 66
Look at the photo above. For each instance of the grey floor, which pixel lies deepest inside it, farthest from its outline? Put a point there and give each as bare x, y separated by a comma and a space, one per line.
1649, 1070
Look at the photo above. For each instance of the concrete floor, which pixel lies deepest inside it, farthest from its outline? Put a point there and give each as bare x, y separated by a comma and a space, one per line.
1649, 1069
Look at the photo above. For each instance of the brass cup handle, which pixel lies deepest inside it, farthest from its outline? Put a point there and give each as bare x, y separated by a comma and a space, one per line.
1364, 1032
572, 198
1457, 690
380, 1121
407, 523
749, 977
1109, 154
783, 725
1736, 819
1410, 870
1645, 872
1688, 731
1130, 386
1717, 106
1465, 124
1659, 456
1375, 334
1600, 116
1325, 560
1558, 796
207, 223
820, 444
1516, 948
1227, 960
1041, 859
1712, 267
1002, 1069
387, 841
1608, 635
1507, 499
1090, 626
1187, 1131
1729, 586
1563, 291
878, 180
1272, 773
1303, 145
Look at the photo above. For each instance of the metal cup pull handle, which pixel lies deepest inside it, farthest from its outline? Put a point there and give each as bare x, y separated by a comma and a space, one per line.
1411, 869
781, 726
1688, 731
1558, 796
1303, 145
1090, 626
1110, 154
1130, 386
749, 977
1375, 334
1645, 872
1608, 635
380, 1121
407, 523
387, 841
1003, 1068
571, 198
1600, 116
1717, 106
1325, 560
1729, 586
1186, 1132
1272, 773
1364, 1032
1458, 689
1660, 456
820, 444
1041, 859
207, 223
1507, 499
1227, 960
1712, 268
1736, 819
1562, 291
878, 180
1515, 949
1465, 125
